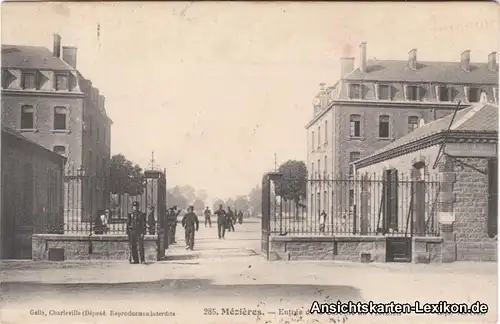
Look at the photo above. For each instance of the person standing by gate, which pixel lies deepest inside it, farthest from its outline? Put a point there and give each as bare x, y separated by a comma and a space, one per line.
172, 224
221, 222
136, 229
190, 224
230, 219
208, 214
151, 221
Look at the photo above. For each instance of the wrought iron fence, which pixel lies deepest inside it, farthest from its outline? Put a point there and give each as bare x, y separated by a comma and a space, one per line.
389, 204
91, 207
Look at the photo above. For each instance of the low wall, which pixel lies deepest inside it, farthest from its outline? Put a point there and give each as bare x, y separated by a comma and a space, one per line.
348, 248
84, 247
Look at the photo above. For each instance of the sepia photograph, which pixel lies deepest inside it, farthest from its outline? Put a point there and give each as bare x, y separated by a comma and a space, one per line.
249, 162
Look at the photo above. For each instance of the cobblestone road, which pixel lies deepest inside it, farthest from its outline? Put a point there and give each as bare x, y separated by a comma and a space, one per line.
227, 274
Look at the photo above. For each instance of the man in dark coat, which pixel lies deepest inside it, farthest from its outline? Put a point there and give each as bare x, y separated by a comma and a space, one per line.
221, 222
136, 229
208, 215
240, 217
190, 224
172, 224
230, 220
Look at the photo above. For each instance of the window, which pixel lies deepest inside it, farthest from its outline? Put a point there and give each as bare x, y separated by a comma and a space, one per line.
474, 94
6, 78
412, 93
325, 200
60, 118
353, 156
351, 197
59, 149
319, 167
444, 93
326, 132
312, 141
326, 165
355, 125
495, 94
97, 133
319, 136
384, 92
412, 123
62, 82
27, 117
383, 127
312, 171
97, 163
104, 135
390, 204
354, 91
29, 80
90, 160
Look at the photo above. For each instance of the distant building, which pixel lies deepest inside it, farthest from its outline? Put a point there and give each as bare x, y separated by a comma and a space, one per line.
466, 204
32, 193
380, 101
48, 100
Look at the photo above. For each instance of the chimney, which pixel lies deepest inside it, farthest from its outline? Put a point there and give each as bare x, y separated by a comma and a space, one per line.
57, 45
69, 55
412, 59
346, 66
323, 95
362, 57
465, 61
492, 62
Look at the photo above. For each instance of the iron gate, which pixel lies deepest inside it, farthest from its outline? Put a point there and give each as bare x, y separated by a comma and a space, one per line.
266, 211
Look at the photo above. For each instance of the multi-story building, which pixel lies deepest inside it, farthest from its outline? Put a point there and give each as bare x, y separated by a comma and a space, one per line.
380, 101
47, 99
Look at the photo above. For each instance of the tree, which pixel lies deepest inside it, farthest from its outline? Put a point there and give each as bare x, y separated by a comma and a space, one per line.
218, 202
255, 200
198, 204
175, 197
188, 192
293, 183
201, 195
125, 176
241, 203
230, 203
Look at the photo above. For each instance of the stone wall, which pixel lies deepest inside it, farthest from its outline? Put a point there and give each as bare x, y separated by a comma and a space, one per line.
84, 247
348, 248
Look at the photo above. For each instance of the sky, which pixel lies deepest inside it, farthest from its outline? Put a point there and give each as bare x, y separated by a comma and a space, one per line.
217, 90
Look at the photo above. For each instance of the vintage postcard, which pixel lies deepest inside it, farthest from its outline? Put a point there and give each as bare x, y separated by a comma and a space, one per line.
249, 162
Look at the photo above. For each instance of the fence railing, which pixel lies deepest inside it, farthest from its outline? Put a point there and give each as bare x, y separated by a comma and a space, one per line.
389, 204
89, 206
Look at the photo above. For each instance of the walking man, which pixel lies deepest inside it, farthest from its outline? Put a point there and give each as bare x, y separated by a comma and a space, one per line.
136, 229
172, 224
190, 224
230, 219
221, 222
208, 214
240, 217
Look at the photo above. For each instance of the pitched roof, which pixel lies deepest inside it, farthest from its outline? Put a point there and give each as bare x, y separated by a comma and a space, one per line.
15, 134
445, 72
31, 57
482, 117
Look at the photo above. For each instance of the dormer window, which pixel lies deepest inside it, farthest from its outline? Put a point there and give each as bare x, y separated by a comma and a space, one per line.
61, 83
473, 94
443, 93
412, 92
355, 91
383, 92
29, 80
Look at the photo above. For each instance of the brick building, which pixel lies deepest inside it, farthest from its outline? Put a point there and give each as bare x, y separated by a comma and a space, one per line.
32, 193
380, 101
465, 161
48, 100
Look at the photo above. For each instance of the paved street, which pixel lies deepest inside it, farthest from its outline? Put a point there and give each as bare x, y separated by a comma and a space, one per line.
229, 274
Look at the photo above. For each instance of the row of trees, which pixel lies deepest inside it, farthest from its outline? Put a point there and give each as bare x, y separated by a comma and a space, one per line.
128, 178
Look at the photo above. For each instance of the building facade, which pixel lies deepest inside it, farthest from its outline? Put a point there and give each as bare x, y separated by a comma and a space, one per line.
48, 100
32, 193
464, 159
380, 101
